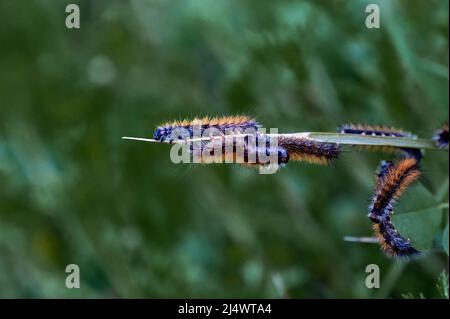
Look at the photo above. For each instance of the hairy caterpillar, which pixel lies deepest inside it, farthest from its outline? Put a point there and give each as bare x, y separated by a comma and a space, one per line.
441, 136
379, 130
376, 130
297, 149
392, 180
301, 149
392, 243
186, 129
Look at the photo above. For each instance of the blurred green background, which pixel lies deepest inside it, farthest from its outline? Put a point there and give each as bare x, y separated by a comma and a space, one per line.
140, 226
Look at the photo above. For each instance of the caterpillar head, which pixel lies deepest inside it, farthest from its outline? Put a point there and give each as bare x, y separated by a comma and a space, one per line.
441, 137
283, 156
160, 134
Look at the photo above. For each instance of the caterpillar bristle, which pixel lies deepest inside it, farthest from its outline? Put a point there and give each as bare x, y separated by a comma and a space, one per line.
392, 180
310, 159
213, 121
301, 149
441, 136
396, 180
185, 128
392, 183
229, 120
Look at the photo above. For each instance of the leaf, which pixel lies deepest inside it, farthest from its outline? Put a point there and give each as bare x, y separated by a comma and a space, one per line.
418, 217
416, 198
445, 239
442, 192
420, 226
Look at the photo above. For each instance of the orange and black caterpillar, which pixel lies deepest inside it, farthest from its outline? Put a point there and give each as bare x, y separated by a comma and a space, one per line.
185, 129
441, 136
392, 180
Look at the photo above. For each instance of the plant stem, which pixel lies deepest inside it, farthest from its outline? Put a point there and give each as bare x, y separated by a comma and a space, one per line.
336, 138
368, 140
368, 240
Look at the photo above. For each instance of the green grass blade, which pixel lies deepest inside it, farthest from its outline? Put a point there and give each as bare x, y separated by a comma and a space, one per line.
367, 140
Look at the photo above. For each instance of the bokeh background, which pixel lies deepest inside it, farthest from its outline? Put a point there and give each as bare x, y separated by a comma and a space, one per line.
140, 226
